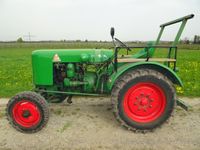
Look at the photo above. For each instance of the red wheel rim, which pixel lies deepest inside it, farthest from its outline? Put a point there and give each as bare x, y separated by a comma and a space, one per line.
26, 113
144, 102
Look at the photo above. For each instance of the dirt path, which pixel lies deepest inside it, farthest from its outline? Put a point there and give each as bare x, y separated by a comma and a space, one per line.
89, 124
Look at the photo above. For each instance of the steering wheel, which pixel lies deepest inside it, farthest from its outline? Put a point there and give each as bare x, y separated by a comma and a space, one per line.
121, 43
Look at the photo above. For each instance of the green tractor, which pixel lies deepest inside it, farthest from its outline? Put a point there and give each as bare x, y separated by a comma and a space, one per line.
142, 87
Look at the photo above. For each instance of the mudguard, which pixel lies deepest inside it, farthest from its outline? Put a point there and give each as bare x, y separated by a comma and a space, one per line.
150, 65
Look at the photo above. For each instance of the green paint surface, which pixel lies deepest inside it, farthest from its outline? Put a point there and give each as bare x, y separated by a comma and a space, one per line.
42, 61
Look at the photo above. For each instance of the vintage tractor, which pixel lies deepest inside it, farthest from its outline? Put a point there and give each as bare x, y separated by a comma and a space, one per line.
142, 88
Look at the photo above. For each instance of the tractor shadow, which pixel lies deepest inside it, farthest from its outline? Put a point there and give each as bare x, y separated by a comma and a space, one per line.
97, 110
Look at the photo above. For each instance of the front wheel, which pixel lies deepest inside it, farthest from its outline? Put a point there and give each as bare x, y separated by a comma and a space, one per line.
143, 99
27, 112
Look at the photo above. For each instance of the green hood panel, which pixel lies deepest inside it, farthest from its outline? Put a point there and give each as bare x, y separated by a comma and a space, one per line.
42, 61
76, 55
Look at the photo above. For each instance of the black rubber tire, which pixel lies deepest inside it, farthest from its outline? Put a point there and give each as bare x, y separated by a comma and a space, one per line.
41, 104
128, 80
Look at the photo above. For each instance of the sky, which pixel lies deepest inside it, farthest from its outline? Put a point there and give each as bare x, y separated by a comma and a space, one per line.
92, 19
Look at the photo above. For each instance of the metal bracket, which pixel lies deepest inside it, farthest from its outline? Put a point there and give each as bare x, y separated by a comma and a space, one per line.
69, 99
182, 104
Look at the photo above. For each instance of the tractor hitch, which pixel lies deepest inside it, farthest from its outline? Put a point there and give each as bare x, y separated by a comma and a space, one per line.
182, 104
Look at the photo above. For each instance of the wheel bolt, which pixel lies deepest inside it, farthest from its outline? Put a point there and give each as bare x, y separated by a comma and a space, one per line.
151, 100
148, 95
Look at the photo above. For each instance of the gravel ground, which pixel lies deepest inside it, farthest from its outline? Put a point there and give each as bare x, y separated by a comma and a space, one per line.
89, 124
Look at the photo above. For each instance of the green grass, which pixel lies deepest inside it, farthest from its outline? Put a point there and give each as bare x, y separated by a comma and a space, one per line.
64, 127
189, 71
16, 73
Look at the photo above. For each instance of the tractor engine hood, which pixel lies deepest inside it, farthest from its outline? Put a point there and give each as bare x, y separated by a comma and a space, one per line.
43, 60
74, 55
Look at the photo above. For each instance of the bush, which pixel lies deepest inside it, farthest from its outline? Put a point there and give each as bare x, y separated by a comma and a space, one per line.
20, 40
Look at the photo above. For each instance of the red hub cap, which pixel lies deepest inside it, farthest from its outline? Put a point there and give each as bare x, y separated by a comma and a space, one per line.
26, 113
144, 102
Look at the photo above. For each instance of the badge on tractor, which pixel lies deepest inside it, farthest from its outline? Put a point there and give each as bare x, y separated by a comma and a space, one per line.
142, 87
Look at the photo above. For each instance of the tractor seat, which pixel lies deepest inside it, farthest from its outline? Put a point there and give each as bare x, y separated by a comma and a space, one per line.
143, 53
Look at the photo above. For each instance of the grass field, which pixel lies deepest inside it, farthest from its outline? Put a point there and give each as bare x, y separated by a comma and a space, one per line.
16, 73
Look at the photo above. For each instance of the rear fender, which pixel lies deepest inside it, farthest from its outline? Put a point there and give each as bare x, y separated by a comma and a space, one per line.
148, 65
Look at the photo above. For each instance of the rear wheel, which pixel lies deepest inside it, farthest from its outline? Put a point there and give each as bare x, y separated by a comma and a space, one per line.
27, 112
143, 99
